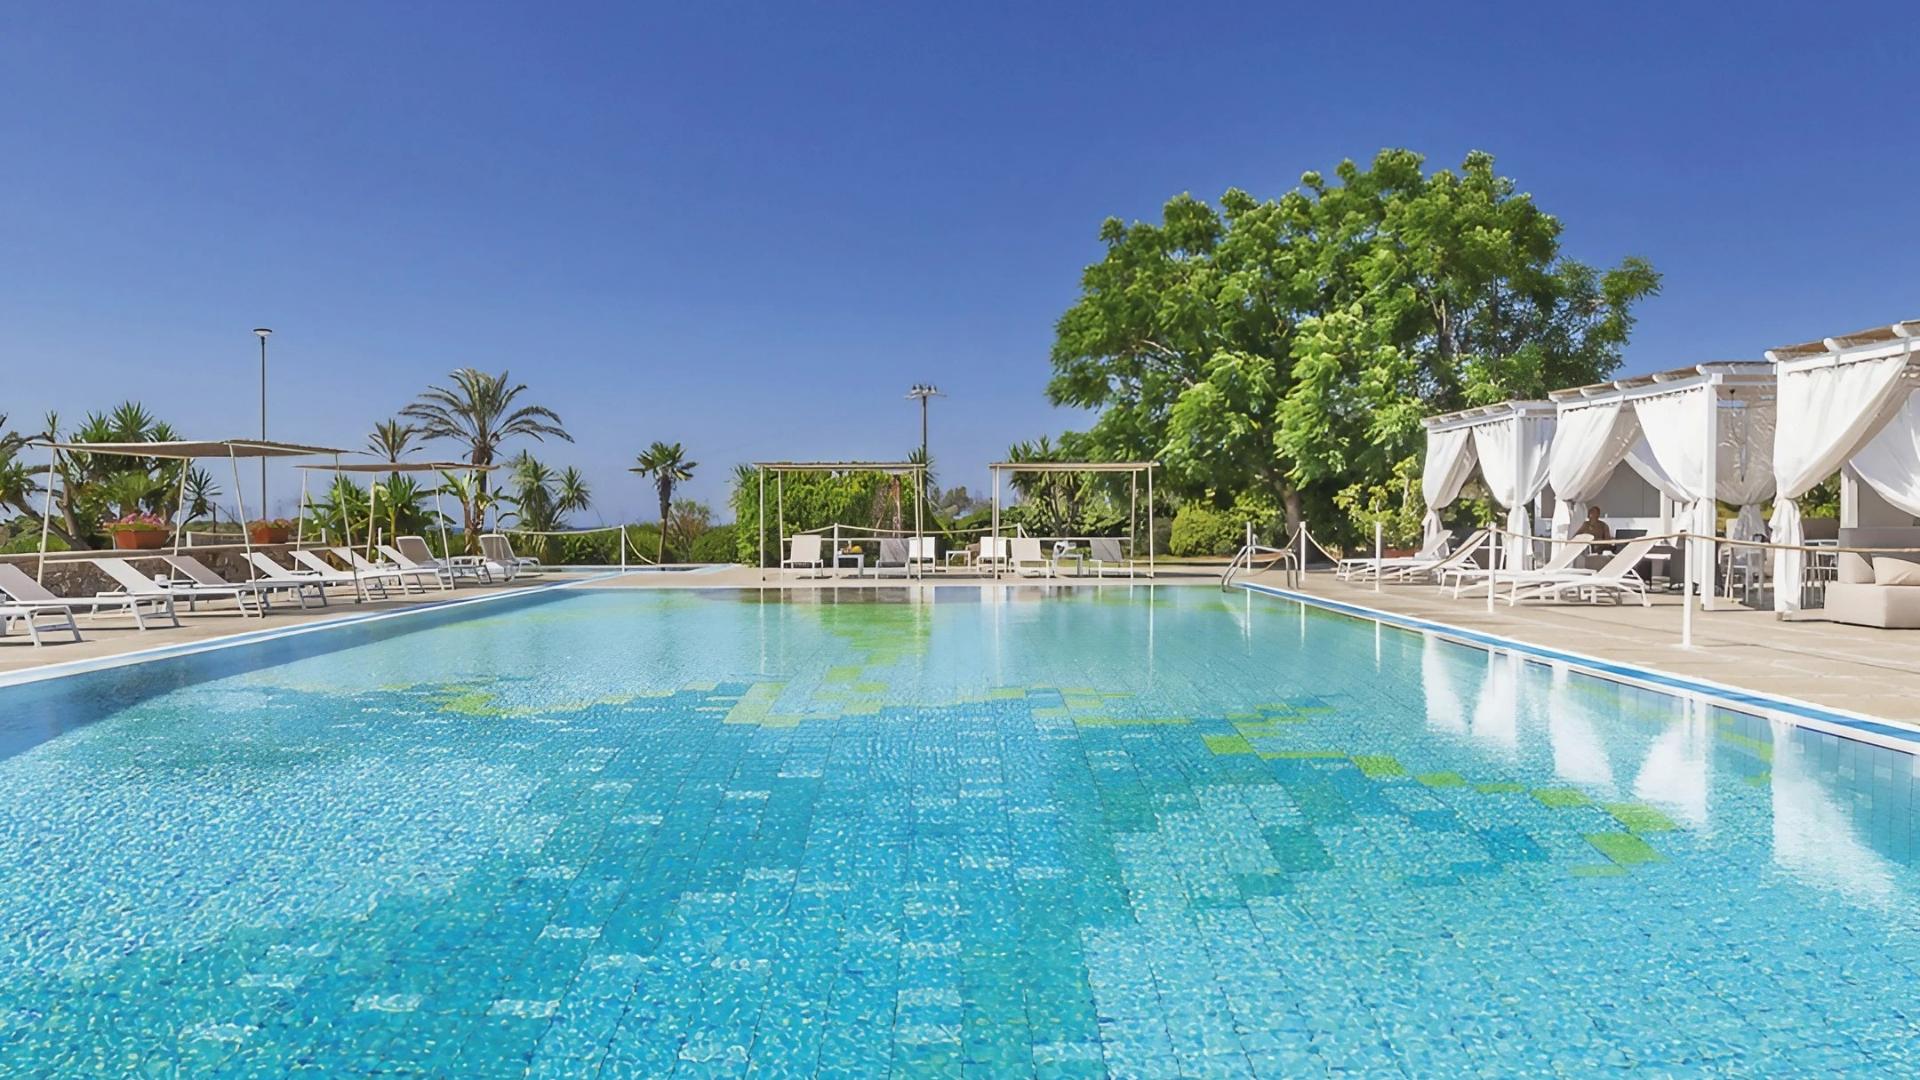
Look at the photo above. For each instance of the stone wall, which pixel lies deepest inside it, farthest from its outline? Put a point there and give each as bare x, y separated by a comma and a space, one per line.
70, 573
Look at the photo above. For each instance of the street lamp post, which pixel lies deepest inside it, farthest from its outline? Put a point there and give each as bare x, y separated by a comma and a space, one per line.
263, 333
923, 392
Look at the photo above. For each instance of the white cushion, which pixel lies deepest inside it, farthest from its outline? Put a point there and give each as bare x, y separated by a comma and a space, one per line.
1888, 571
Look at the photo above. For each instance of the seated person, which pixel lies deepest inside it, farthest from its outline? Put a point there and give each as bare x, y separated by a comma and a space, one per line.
1593, 528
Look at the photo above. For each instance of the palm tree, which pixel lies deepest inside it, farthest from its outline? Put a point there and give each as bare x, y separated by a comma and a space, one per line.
571, 493
390, 439
668, 465
478, 411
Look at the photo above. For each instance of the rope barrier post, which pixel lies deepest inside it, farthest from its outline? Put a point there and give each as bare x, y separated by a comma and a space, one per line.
1379, 553
1686, 591
1303, 552
1493, 566
623, 549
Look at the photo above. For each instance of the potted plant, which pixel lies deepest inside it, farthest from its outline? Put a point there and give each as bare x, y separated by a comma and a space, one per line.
276, 531
138, 531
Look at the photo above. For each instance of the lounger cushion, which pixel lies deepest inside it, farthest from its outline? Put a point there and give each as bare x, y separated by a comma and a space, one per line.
1893, 570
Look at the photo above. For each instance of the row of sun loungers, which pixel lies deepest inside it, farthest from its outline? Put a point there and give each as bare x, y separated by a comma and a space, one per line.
407, 565
1616, 579
1022, 555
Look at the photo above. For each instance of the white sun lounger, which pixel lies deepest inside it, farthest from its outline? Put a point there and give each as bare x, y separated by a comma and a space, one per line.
921, 552
192, 572
1027, 556
1617, 578
417, 577
1363, 568
1415, 569
803, 551
993, 552
412, 553
375, 579
894, 557
24, 592
1562, 562
135, 583
304, 579
29, 616
499, 548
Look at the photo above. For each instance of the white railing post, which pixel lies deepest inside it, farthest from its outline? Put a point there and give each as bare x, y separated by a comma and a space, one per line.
1379, 551
1303, 552
1493, 566
1686, 590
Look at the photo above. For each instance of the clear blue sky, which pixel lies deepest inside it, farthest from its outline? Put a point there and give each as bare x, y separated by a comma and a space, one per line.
750, 229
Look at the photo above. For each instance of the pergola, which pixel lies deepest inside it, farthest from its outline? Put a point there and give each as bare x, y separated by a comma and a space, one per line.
387, 467
1132, 468
1509, 442
1846, 404
180, 450
780, 469
1700, 435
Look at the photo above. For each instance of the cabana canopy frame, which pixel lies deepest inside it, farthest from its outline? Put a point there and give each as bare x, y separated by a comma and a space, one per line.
1134, 468
1847, 404
1509, 442
780, 469
178, 450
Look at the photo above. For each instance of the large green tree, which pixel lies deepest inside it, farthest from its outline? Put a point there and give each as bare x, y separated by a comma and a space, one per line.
1283, 352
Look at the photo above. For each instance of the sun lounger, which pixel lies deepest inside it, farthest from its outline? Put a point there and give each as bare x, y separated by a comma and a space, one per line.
803, 552
922, 552
1414, 569
312, 563
1364, 568
1028, 560
993, 552
1104, 554
499, 548
417, 577
1617, 578
1567, 553
412, 552
29, 616
23, 592
894, 557
305, 579
199, 576
135, 583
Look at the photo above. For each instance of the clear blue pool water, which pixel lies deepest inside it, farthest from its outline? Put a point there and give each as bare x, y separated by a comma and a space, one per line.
1111, 833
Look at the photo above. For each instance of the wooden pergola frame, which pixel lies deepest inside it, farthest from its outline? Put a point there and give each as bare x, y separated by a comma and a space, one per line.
780, 469
1134, 468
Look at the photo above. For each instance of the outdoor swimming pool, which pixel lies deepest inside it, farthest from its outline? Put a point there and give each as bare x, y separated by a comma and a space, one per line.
1126, 831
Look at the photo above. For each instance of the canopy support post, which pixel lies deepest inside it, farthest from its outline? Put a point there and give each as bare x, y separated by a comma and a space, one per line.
1150, 539
46, 515
179, 509
761, 521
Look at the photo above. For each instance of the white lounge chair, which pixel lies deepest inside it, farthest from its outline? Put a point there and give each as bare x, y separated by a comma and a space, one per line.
1027, 555
23, 592
1363, 568
306, 579
803, 551
412, 552
1414, 569
1104, 554
894, 557
499, 548
1565, 555
993, 552
191, 571
135, 583
363, 580
416, 577
922, 552
29, 616
1616, 578
442, 573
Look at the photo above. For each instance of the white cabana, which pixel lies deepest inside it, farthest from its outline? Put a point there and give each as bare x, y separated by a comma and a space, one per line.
1700, 435
1510, 444
1843, 401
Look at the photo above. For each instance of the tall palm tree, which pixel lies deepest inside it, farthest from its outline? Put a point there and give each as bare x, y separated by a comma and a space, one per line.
391, 438
478, 412
667, 464
571, 493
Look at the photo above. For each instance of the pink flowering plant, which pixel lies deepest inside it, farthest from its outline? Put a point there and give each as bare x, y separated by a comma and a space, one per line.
138, 521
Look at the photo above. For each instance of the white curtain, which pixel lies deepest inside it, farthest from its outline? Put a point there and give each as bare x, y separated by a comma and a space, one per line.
1826, 413
1513, 461
1589, 442
1676, 431
1449, 463
1746, 462
1890, 464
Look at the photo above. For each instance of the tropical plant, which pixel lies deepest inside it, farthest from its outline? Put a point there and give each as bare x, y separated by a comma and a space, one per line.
201, 496
340, 512
19, 487
94, 487
391, 438
1292, 346
399, 506
687, 521
479, 412
667, 465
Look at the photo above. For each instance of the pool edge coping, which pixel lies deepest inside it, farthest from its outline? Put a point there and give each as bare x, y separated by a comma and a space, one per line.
1898, 735
70, 668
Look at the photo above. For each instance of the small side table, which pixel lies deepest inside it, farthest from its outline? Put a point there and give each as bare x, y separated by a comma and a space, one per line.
859, 562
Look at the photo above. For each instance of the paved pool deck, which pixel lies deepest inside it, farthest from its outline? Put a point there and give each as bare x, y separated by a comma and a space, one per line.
1855, 668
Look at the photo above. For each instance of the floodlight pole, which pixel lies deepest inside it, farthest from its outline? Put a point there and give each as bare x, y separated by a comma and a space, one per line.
923, 391
263, 333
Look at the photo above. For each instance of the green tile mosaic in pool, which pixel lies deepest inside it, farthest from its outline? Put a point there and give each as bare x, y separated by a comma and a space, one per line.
1116, 832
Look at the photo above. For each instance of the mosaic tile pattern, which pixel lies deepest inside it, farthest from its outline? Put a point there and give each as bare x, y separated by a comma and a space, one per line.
651, 834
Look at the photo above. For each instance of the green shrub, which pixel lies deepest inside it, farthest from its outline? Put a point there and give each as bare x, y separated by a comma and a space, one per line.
1202, 530
716, 545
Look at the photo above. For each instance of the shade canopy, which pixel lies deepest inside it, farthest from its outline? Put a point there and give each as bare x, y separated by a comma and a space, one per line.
1844, 399
841, 466
1510, 443
189, 449
1074, 466
400, 467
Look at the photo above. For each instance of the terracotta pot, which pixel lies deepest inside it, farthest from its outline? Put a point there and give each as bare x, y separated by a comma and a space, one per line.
139, 539
269, 534
1397, 552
